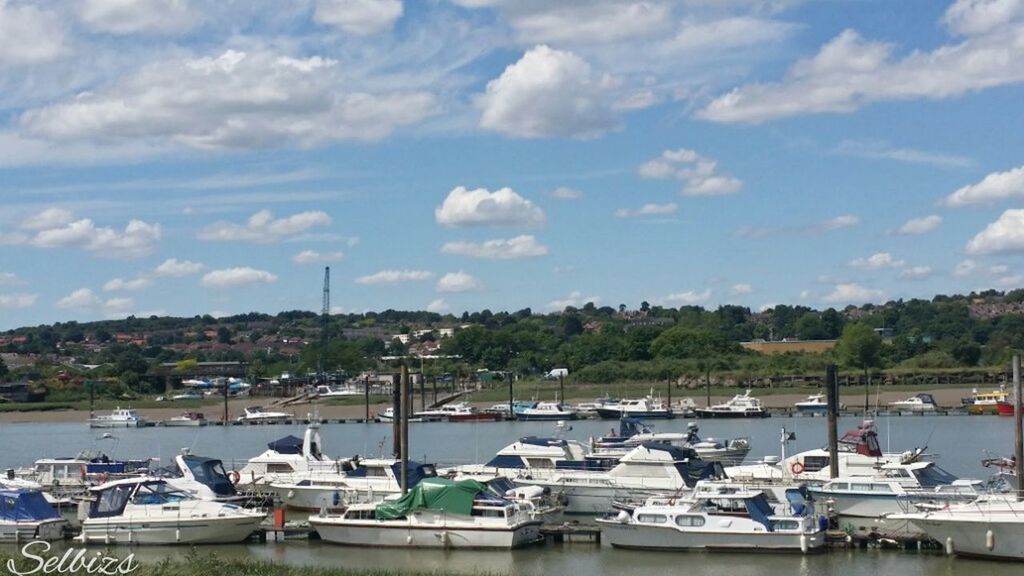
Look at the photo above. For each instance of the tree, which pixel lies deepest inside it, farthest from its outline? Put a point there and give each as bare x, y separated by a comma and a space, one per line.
3, 369
861, 347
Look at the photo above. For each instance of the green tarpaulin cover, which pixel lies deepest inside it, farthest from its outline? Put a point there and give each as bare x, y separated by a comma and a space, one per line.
434, 493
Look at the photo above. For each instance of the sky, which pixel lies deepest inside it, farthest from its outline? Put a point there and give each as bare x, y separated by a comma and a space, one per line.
184, 157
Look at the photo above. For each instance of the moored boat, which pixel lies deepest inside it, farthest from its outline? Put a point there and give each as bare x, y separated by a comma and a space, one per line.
186, 419
25, 515
990, 527
632, 433
921, 402
643, 408
740, 406
356, 480
118, 418
981, 403
814, 404
544, 411
258, 415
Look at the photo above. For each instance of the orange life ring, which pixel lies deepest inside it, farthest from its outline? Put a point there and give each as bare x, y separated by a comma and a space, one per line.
796, 468
234, 476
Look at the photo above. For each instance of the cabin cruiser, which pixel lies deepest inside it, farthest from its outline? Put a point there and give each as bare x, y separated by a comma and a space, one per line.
289, 459
328, 392
356, 480
544, 411
740, 406
388, 415
25, 515
980, 403
119, 418
149, 510
814, 404
64, 478
437, 513
644, 408
456, 412
528, 455
720, 517
590, 408
991, 527
922, 402
257, 415
202, 478
633, 432
188, 419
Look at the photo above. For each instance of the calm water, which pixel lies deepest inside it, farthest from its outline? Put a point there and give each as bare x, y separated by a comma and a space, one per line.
959, 443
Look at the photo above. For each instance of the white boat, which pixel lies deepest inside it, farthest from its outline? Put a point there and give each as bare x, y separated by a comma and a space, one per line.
149, 511
187, 396
922, 402
186, 419
329, 392
438, 513
456, 412
202, 478
526, 456
588, 408
388, 415
642, 408
64, 478
289, 459
987, 528
633, 432
119, 418
814, 404
544, 411
724, 518
366, 480
740, 406
258, 415
25, 515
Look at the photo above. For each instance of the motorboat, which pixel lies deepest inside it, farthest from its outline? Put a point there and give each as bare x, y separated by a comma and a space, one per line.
633, 432
722, 518
202, 478
990, 527
288, 459
25, 515
456, 412
388, 415
332, 392
119, 418
539, 503
186, 419
149, 510
980, 403
590, 408
187, 396
544, 411
813, 404
527, 456
64, 478
437, 513
258, 415
740, 406
644, 408
357, 480
922, 402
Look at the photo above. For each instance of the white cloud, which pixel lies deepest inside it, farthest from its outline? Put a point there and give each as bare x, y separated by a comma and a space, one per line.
138, 16
11, 279
740, 289
1005, 235
688, 298
500, 249
236, 100
648, 210
565, 193
850, 293
47, 219
998, 269
637, 101
970, 17
965, 267
395, 277
117, 307
694, 38
922, 225
993, 188
81, 299
458, 282
172, 267
1013, 281
17, 301
438, 306
29, 35
697, 172
832, 224
590, 22
576, 299
118, 284
360, 17
916, 273
877, 262
547, 93
839, 222
480, 207
262, 227
54, 229
879, 150
235, 277
314, 257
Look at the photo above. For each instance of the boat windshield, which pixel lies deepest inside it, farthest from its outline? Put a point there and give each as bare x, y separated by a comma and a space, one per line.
933, 476
210, 473
158, 493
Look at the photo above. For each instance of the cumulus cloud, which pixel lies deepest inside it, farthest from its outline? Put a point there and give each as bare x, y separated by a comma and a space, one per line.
235, 100
17, 301
877, 261
263, 227
575, 299
918, 226
29, 35
360, 17
548, 93
524, 246
1005, 235
174, 268
438, 306
648, 210
80, 299
971, 17
850, 293
120, 284
48, 218
566, 193
314, 257
56, 228
994, 187
395, 277
697, 172
480, 207
458, 282
740, 289
916, 273
85, 301
236, 277
138, 16
688, 298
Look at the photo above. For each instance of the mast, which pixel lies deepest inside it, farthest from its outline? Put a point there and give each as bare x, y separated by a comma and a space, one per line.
325, 315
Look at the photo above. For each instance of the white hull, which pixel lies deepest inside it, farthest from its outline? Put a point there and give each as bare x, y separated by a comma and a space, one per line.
184, 423
116, 423
401, 533
593, 500
969, 538
121, 530
329, 498
48, 530
654, 538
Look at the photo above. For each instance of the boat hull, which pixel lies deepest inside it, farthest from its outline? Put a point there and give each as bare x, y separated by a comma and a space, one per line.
812, 409
48, 530
331, 499
545, 417
116, 423
705, 413
616, 414
593, 500
184, 423
969, 538
1004, 409
218, 530
632, 536
402, 534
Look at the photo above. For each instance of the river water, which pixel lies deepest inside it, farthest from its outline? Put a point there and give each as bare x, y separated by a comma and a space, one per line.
958, 443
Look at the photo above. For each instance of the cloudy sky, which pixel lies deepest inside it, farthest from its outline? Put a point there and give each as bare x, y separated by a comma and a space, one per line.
189, 156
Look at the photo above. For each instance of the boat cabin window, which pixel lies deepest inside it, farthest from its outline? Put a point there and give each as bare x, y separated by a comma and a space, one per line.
815, 463
786, 524
651, 518
690, 521
860, 487
932, 476
840, 486
489, 512
111, 502
157, 494
539, 463
376, 472
361, 514
279, 468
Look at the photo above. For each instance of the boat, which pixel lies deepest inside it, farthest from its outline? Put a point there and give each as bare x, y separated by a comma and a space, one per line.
202, 478
922, 402
187, 396
814, 404
456, 412
590, 408
190, 419
357, 480
720, 518
544, 411
1005, 409
288, 459
990, 527
119, 418
529, 453
257, 415
980, 403
149, 510
633, 432
64, 478
331, 392
437, 513
740, 406
645, 408
388, 415
25, 516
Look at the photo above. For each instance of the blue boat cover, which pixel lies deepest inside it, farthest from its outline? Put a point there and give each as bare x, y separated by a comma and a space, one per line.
287, 445
759, 510
25, 506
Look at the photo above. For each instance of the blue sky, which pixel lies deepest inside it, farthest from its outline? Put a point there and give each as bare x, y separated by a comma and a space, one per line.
190, 157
